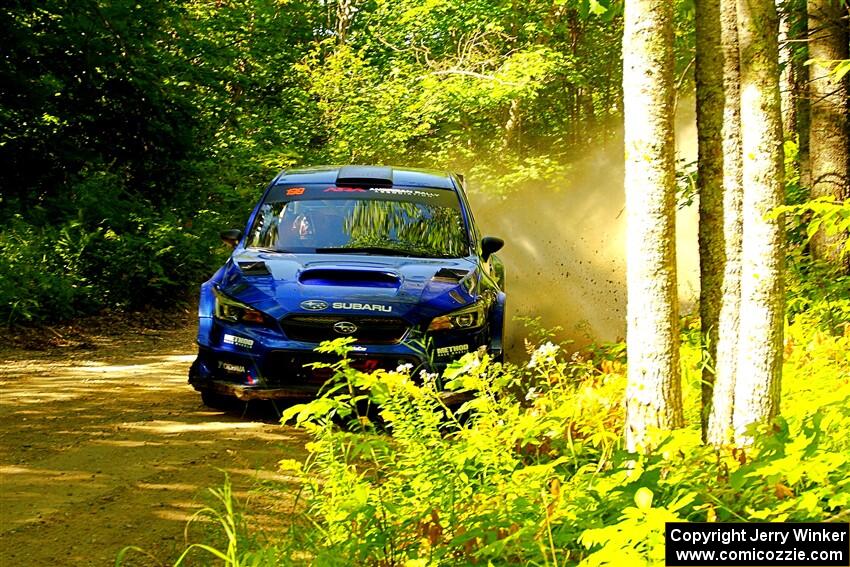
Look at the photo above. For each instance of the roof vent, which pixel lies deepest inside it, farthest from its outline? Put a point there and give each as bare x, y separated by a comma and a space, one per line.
364, 176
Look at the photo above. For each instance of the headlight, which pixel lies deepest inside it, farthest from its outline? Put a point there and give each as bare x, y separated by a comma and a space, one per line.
471, 317
228, 309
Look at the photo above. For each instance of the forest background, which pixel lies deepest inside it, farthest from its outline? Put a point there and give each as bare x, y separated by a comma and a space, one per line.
131, 133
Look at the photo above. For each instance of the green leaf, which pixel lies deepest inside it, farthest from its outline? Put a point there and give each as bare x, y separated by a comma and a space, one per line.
597, 8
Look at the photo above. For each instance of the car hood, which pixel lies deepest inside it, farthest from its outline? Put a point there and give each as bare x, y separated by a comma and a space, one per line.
412, 288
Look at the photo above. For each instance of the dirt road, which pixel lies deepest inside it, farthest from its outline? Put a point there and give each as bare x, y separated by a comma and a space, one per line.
107, 446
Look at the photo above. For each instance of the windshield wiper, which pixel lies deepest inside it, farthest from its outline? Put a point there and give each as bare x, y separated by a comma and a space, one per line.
377, 250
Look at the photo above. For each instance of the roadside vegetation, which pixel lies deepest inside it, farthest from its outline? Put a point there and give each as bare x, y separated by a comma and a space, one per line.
533, 468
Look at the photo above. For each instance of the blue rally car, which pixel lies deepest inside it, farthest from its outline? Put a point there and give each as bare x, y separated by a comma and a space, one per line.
388, 256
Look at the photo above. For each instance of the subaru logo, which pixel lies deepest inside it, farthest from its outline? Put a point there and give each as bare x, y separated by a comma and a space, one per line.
314, 305
345, 328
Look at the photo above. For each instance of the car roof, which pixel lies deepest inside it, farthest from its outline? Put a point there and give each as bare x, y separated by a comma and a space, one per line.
368, 175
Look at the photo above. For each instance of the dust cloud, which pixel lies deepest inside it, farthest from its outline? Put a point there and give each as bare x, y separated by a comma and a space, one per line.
565, 245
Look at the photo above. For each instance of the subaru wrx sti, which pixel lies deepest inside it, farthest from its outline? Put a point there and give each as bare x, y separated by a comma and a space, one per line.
390, 257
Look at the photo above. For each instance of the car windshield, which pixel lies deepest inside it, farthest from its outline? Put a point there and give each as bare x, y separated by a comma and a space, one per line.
388, 221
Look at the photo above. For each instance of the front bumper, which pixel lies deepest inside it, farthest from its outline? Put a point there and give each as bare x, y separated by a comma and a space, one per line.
250, 393
250, 363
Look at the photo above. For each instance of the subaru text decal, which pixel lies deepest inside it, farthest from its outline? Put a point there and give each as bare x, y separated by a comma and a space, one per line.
363, 307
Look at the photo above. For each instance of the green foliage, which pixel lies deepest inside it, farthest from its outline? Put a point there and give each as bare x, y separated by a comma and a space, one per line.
120, 121
28, 288
821, 214
531, 469
817, 293
836, 67
54, 272
686, 183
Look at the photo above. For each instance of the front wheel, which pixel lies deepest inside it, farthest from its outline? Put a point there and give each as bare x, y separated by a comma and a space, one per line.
216, 401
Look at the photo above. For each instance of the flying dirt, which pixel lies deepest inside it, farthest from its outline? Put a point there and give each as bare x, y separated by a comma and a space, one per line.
565, 251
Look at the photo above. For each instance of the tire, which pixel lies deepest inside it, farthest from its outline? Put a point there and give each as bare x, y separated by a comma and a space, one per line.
216, 401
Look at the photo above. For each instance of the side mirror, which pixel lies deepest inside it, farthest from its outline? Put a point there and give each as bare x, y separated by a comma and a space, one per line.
489, 246
231, 237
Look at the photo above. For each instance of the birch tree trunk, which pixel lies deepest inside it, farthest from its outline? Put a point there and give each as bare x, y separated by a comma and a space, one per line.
653, 393
726, 358
344, 14
829, 137
762, 303
712, 249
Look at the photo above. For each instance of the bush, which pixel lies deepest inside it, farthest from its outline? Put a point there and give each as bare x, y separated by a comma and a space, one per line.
32, 285
50, 273
531, 469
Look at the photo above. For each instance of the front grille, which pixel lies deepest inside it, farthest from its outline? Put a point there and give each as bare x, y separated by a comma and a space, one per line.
318, 328
289, 368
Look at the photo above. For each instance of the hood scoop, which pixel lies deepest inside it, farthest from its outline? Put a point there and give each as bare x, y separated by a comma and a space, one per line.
254, 268
350, 278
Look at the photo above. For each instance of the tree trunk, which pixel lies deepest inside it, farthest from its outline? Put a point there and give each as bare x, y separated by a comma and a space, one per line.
799, 22
653, 393
712, 249
829, 140
728, 317
344, 15
787, 81
762, 302
513, 127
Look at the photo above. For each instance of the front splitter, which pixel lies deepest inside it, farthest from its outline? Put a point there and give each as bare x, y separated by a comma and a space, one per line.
249, 393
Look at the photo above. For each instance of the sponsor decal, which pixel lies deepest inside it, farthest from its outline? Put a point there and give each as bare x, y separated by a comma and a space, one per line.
294, 191
453, 350
238, 341
411, 192
345, 328
232, 368
363, 307
314, 305
344, 190
357, 348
